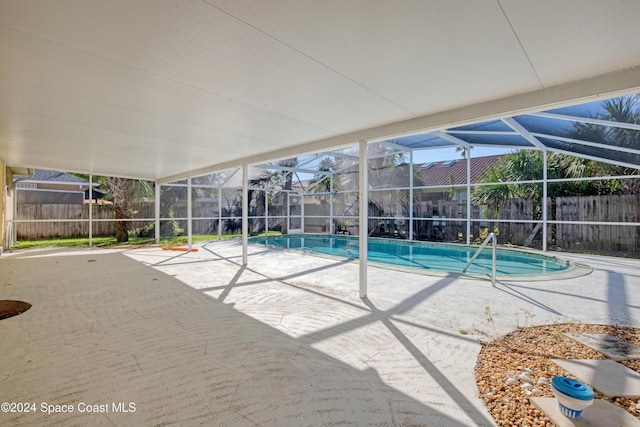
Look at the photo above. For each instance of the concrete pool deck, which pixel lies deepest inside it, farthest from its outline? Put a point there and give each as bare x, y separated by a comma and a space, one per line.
194, 338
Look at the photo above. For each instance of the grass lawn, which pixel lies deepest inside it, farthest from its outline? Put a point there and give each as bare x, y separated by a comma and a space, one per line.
111, 241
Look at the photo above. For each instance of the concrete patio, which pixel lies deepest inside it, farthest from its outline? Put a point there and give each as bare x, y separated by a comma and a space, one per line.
195, 338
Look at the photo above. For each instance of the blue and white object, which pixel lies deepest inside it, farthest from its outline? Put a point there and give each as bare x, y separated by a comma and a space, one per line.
573, 396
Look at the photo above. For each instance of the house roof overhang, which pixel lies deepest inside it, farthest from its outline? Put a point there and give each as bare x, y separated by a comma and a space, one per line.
162, 90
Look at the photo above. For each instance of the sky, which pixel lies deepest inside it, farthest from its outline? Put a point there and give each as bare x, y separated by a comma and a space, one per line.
426, 156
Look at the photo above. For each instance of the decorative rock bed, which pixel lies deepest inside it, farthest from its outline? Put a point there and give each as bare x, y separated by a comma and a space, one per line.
518, 366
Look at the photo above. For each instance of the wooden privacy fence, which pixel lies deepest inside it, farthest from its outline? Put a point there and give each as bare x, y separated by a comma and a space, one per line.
446, 220
56, 224
433, 220
517, 210
600, 238
53, 219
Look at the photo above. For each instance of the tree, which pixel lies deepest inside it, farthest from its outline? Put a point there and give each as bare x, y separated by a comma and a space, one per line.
258, 190
623, 110
463, 151
323, 180
288, 185
388, 167
169, 197
526, 165
122, 191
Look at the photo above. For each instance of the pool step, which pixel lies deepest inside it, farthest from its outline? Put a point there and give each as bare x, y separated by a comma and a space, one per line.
602, 413
609, 345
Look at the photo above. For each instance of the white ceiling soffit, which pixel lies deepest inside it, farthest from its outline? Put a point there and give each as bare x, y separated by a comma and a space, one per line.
158, 88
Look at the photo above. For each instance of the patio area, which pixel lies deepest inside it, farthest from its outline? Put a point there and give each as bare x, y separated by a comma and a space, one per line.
195, 338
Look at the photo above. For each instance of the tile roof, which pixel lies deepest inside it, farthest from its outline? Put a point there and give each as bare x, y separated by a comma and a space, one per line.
440, 173
42, 175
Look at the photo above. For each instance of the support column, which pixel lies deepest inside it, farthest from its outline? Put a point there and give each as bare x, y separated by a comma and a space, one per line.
4, 216
220, 213
14, 228
331, 197
302, 212
363, 170
266, 212
245, 213
468, 155
189, 216
544, 200
157, 211
90, 211
411, 195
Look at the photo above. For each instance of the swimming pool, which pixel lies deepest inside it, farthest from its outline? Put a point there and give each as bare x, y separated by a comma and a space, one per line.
425, 256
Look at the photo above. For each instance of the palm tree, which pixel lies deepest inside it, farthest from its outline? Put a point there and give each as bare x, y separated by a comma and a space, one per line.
263, 182
387, 167
288, 185
527, 165
120, 192
624, 110
124, 192
288, 174
462, 150
323, 181
390, 168
492, 193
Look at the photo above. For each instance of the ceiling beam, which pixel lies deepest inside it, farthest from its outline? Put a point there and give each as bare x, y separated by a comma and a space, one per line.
481, 132
513, 124
452, 139
623, 125
286, 168
392, 145
598, 159
343, 155
589, 143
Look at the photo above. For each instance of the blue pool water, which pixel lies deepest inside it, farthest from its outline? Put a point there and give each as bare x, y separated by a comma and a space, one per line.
423, 255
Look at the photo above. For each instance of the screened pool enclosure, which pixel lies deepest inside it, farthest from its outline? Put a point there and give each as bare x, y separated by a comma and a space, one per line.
565, 178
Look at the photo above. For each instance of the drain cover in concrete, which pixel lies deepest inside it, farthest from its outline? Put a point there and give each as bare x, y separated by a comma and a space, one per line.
609, 345
607, 376
601, 413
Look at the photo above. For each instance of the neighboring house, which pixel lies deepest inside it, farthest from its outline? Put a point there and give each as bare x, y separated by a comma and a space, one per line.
51, 187
454, 172
445, 206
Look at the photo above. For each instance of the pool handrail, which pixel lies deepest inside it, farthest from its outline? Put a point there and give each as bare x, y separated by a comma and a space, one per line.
491, 237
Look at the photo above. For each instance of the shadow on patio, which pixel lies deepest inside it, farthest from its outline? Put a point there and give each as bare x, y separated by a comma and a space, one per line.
105, 329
